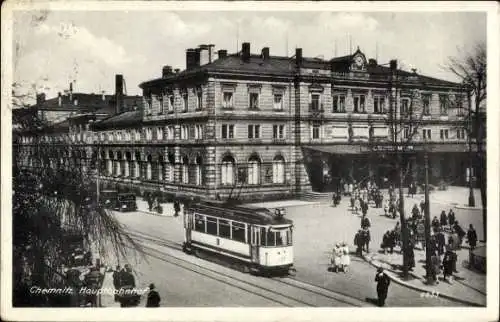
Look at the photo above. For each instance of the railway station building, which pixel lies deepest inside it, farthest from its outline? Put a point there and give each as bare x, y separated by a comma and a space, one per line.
260, 126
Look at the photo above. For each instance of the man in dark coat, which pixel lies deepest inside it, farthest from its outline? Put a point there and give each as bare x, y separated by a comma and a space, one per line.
366, 239
441, 242
117, 280
444, 219
422, 206
365, 222
414, 212
472, 237
358, 241
153, 297
383, 282
460, 233
451, 218
435, 223
448, 263
411, 256
177, 207
364, 207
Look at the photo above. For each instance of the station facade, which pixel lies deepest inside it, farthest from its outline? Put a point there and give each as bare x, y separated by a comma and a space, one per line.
258, 126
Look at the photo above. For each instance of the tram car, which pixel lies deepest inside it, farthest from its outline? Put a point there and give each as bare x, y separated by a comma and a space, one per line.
256, 240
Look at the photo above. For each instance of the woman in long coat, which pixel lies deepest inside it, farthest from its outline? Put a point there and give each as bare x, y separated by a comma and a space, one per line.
444, 219
336, 260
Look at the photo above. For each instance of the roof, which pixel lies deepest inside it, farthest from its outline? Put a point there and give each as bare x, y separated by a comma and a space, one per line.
285, 66
84, 101
259, 216
125, 118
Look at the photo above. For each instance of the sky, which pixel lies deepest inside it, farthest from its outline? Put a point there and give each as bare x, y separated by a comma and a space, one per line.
52, 48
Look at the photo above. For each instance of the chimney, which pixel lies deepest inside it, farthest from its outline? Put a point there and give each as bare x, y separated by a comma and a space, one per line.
205, 54
59, 98
166, 71
40, 98
414, 70
265, 53
222, 53
372, 62
210, 52
118, 93
394, 64
245, 51
298, 57
177, 70
192, 58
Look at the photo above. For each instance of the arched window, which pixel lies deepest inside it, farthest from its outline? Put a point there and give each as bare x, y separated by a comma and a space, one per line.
171, 168
149, 168
127, 164
278, 169
137, 167
185, 170
160, 167
253, 170
227, 170
198, 171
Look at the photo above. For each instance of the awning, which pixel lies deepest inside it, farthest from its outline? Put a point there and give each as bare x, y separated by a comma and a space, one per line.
339, 148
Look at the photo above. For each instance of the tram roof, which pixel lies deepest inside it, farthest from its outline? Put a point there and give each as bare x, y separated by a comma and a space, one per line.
258, 216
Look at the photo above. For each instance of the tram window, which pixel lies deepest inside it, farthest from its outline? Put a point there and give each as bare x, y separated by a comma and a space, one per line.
289, 236
281, 237
224, 229
238, 231
211, 226
199, 223
263, 236
271, 238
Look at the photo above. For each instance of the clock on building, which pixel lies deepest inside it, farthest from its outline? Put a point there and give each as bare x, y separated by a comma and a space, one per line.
358, 60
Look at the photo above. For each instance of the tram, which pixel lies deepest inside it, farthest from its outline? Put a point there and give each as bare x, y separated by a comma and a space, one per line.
257, 240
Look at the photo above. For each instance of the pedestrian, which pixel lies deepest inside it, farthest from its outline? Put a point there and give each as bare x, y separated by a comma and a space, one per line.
383, 282
435, 267
364, 207
411, 256
345, 258
177, 207
358, 241
422, 206
435, 223
153, 297
472, 237
337, 254
460, 232
117, 280
127, 278
451, 218
444, 219
365, 222
441, 242
415, 212
448, 264
366, 239
149, 199
386, 241
397, 234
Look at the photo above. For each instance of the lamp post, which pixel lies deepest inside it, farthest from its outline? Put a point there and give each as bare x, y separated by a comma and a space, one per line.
472, 202
427, 223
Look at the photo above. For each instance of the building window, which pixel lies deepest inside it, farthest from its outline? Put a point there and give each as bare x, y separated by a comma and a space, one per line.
278, 102
426, 101
198, 171
149, 134
315, 102
378, 104
254, 101
338, 103
162, 102
460, 105
406, 132
184, 132
170, 132
278, 132
359, 104
171, 103
227, 170
443, 134
254, 131
316, 128
170, 172
184, 101
198, 132
443, 104
426, 134
185, 170
405, 106
227, 100
278, 169
227, 131
253, 170
148, 104
460, 134
159, 134
199, 98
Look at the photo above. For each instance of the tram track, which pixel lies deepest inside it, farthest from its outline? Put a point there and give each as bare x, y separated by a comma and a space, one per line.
302, 290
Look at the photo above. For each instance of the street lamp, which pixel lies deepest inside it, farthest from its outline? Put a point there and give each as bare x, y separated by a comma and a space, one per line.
427, 222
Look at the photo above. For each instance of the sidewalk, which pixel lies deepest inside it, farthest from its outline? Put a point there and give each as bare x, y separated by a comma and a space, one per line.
168, 208
468, 286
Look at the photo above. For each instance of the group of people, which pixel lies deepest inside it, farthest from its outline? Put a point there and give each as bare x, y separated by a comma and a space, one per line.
340, 258
123, 278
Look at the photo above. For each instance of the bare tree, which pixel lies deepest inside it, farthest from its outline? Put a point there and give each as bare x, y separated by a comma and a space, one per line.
53, 196
471, 68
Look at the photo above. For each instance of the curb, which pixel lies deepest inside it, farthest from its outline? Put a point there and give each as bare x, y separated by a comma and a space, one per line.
421, 289
154, 213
